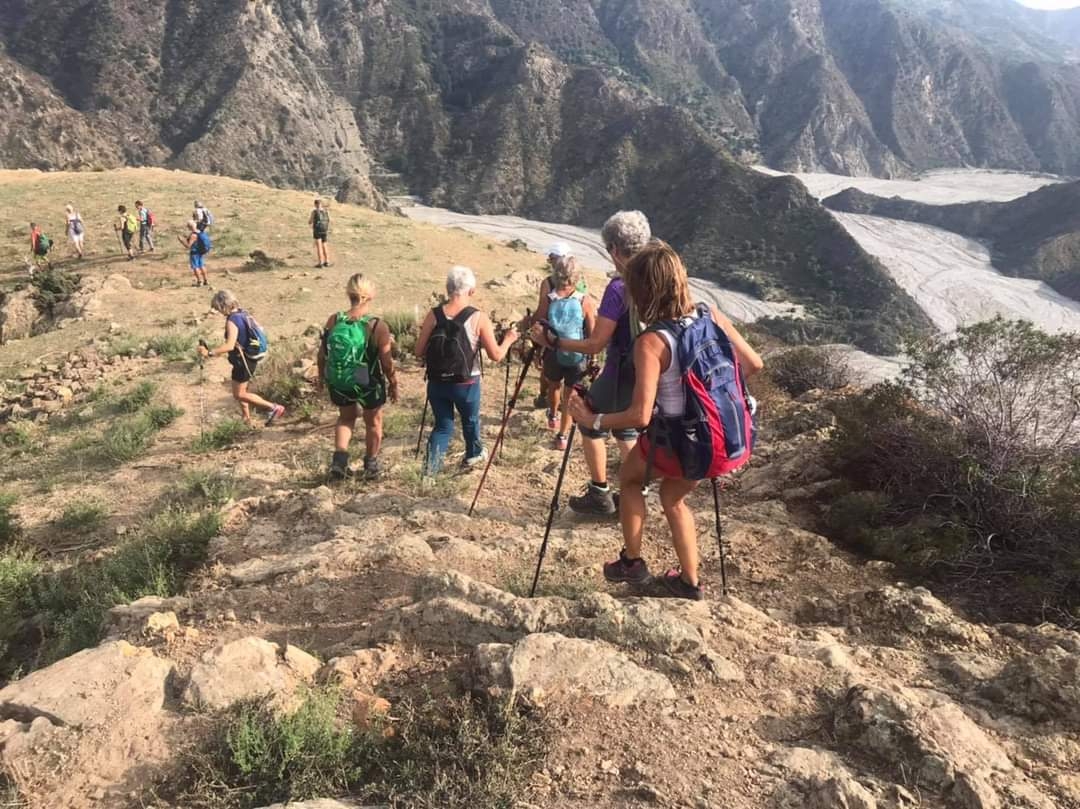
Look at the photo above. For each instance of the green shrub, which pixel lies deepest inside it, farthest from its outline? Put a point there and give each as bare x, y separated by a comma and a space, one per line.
10, 526
128, 438
801, 370
223, 434
174, 346
82, 516
277, 380
405, 328
211, 486
53, 286
135, 399
972, 462
19, 571
123, 345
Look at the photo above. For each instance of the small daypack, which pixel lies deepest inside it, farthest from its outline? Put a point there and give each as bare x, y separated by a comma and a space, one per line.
450, 353
202, 244
206, 219
151, 220
44, 244
567, 319
131, 223
348, 361
77, 227
715, 434
322, 221
251, 339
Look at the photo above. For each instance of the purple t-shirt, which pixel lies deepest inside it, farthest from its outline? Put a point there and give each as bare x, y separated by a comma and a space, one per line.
616, 306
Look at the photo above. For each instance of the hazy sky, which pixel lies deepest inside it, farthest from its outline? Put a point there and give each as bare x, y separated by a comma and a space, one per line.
1051, 3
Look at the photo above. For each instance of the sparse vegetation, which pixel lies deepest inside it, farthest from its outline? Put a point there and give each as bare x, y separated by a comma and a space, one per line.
53, 286
82, 516
223, 434
801, 370
278, 381
210, 486
10, 526
434, 754
174, 346
967, 469
136, 399
123, 345
127, 438
403, 326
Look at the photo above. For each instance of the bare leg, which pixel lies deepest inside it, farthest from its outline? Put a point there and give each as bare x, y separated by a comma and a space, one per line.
246, 398
625, 448
373, 432
632, 503
596, 459
554, 396
566, 421
318, 252
673, 492
343, 431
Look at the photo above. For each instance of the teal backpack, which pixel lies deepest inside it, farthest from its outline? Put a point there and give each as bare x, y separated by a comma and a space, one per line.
567, 319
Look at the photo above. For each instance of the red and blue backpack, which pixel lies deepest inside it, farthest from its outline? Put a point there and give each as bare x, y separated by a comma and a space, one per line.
715, 434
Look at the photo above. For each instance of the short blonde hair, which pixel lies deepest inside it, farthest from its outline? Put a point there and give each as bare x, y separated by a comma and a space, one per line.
566, 272
358, 289
225, 302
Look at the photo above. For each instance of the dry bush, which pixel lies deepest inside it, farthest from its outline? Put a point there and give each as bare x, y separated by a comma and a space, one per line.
801, 370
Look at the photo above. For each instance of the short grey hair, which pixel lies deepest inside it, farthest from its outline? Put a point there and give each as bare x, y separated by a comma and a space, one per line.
626, 232
459, 281
225, 302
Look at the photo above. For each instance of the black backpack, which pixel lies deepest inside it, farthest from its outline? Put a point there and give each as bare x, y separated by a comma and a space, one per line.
450, 353
322, 221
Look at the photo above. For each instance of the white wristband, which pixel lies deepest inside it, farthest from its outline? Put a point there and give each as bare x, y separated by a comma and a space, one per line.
596, 422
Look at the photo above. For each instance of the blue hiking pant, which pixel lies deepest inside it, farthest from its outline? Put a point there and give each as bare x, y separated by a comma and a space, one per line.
445, 398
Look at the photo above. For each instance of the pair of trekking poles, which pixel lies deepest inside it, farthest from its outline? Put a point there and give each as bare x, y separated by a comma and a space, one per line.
508, 409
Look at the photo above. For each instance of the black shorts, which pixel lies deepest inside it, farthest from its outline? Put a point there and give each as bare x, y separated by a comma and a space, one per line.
243, 369
554, 372
127, 236
369, 398
320, 236
612, 392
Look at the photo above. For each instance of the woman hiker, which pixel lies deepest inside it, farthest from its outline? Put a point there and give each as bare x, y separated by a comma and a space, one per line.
242, 345
659, 288
356, 363
450, 341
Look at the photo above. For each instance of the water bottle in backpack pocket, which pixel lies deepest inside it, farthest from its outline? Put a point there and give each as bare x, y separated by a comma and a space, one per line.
567, 319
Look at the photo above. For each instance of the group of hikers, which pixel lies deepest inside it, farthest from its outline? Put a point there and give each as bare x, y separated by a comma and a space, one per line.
671, 388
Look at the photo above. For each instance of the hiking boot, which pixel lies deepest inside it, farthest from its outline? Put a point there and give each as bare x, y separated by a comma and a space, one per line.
594, 502
276, 412
471, 463
625, 569
561, 442
553, 420
540, 403
339, 466
372, 467
675, 586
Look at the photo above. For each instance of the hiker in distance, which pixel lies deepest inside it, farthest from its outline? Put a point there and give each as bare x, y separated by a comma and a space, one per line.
356, 363
76, 230
202, 217
126, 226
40, 244
198, 245
703, 422
451, 338
624, 234
320, 231
146, 227
245, 345
571, 314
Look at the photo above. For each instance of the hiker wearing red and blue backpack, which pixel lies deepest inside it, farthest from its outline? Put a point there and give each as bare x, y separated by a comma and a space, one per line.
690, 394
245, 345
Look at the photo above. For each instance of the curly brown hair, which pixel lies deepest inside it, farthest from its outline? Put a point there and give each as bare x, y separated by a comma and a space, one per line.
658, 285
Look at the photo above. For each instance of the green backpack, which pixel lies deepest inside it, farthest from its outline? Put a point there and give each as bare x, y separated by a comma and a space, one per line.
44, 244
348, 365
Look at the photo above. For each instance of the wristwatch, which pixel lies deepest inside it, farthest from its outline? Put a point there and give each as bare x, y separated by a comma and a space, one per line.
596, 422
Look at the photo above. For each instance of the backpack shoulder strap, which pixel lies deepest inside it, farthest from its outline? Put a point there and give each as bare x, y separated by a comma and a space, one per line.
440, 315
463, 316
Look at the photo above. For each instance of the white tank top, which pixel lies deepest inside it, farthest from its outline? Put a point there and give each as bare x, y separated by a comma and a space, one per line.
472, 328
670, 395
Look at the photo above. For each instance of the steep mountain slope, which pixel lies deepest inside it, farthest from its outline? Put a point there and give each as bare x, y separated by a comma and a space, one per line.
1036, 236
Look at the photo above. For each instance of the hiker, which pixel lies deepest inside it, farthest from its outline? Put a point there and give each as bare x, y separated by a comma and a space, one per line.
245, 345
76, 230
198, 245
40, 244
623, 235
146, 227
555, 253
356, 363
202, 217
572, 316
127, 225
450, 341
320, 231
675, 327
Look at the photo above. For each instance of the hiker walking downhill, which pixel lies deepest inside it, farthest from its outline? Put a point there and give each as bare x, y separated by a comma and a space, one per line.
198, 245
127, 225
555, 253
572, 316
76, 230
320, 232
146, 227
450, 341
623, 235
245, 346
356, 363
702, 426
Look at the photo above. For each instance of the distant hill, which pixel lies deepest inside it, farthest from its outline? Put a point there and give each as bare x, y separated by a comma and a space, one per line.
1036, 236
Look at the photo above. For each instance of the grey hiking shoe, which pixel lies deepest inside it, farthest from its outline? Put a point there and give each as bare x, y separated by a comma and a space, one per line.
469, 464
339, 466
675, 586
594, 502
372, 467
625, 569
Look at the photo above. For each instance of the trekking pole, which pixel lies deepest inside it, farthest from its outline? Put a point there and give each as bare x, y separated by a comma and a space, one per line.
423, 421
506, 420
719, 536
553, 509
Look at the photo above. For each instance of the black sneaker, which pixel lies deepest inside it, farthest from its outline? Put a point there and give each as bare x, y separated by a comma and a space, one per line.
623, 569
595, 502
372, 468
540, 403
675, 586
338, 472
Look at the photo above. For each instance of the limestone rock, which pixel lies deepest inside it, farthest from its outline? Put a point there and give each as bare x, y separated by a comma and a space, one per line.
1041, 687
364, 667
19, 315
817, 779
549, 666
365, 708
162, 623
247, 668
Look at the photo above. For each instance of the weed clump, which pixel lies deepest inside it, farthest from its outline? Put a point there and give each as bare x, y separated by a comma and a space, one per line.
127, 439
82, 516
802, 370
174, 346
223, 434
10, 526
210, 486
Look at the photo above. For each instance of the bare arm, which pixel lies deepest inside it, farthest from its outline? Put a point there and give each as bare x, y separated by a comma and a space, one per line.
749, 360
650, 355
426, 328
602, 331
494, 349
232, 333
588, 306
384, 341
320, 359
544, 303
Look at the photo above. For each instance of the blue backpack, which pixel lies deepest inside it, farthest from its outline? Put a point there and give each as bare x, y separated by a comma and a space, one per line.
202, 245
250, 339
567, 319
715, 434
